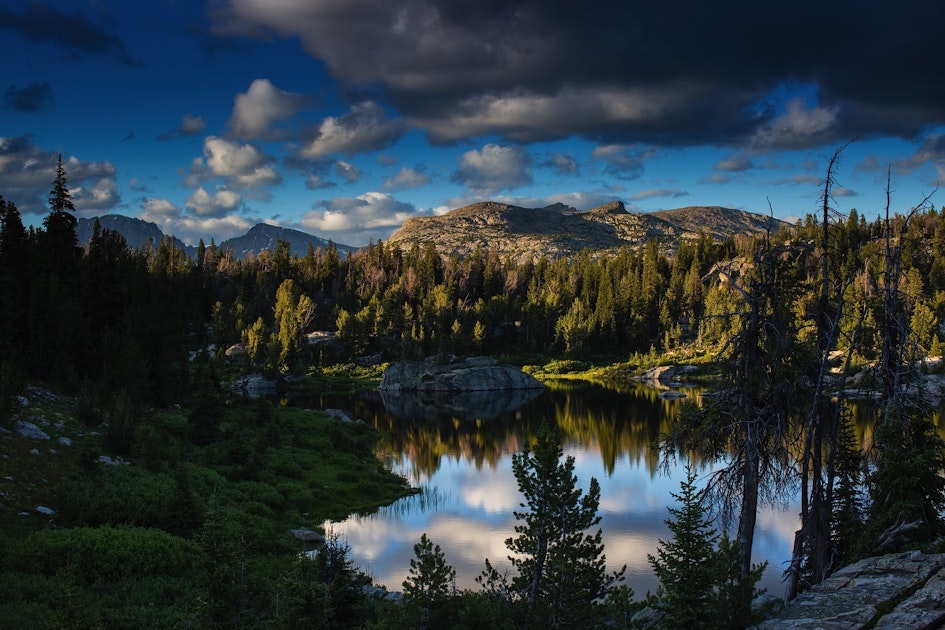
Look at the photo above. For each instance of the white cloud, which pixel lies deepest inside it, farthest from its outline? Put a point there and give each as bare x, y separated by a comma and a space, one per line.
359, 219
365, 128
96, 197
800, 126
492, 169
27, 173
259, 107
407, 178
241, 165
190, 125
218, 204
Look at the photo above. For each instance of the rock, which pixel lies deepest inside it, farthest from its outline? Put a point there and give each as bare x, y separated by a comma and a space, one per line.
22, 402
34, 451
666, 374
859, 596
924, 609
648, 618
42, 509
30, 430
470, 375
307, 535
65, 441
476, 405
236, 351
338, 414
319, 337
254, 386
105, 460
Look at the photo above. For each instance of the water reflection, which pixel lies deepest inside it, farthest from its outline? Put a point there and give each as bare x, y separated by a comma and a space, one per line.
462, 462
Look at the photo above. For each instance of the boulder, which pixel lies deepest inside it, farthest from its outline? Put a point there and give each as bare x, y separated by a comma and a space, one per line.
30, 430
254, 386
471, 405
307, 536
899, 590
477, 374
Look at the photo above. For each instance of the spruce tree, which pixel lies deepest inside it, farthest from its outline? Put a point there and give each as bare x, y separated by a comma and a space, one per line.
689, 566
560, 566
430, 585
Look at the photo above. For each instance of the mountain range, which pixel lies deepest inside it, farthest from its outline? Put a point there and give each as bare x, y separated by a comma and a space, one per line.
521, 233
261, 236
559, 230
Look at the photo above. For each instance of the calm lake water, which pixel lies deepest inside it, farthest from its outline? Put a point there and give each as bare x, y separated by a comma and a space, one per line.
460, 456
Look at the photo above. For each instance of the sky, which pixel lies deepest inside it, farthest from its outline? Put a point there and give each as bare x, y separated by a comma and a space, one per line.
343, 118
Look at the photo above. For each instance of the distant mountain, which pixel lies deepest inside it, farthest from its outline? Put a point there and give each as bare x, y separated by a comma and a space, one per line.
264, 236
260, 237
558, 230
135, 231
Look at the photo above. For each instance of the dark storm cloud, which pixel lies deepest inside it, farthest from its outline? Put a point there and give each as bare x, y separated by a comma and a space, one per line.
74, 32
33, 97
689, 72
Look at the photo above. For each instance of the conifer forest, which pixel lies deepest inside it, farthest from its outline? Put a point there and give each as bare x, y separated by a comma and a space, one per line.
130, 346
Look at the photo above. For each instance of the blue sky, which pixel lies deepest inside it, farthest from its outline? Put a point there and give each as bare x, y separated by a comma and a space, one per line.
344, 118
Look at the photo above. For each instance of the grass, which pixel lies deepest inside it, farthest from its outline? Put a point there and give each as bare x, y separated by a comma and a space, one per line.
133, 545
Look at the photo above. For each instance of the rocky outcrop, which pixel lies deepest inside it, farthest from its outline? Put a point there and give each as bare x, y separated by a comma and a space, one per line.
470, 405
477, 374
902, 590
558, 230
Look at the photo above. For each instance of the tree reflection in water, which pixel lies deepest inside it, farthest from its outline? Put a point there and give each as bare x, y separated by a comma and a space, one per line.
463, 467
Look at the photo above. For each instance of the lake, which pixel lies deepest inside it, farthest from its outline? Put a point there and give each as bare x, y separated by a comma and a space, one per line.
462, 463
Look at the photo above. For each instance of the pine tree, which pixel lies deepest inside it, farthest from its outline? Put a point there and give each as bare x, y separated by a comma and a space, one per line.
430, 585
560, 566
689, 566
60, 248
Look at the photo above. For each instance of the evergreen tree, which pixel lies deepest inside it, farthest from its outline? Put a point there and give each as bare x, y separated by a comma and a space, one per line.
560, 566
60, 246
430, 585
689, 566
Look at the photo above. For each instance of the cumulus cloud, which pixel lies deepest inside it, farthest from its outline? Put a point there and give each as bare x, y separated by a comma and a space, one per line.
33, 97
365, 128
492, 169
932, 152
255, 111
190, 125
357, 220
407, 178
27, 173
800, 126
240, 165
217, 204
516, 68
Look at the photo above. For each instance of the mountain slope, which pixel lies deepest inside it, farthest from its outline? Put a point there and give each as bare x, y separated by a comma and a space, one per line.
136, 232
264, 236
560, 231
260, 237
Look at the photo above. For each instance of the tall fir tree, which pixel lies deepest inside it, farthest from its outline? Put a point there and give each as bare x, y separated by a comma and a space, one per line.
561, 570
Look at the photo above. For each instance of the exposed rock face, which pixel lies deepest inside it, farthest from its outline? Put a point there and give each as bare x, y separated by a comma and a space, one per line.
557, 230
475, 388
472, 405
901, 590
470, 375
